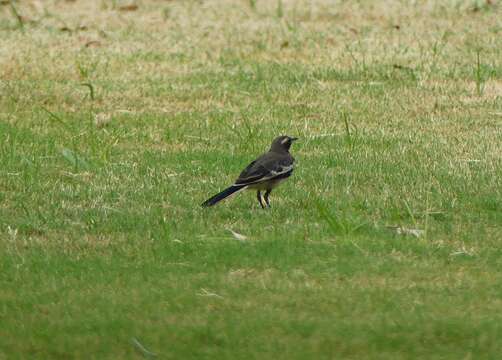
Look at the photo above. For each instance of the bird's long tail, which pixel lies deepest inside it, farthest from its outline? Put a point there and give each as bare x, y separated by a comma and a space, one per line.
223, 195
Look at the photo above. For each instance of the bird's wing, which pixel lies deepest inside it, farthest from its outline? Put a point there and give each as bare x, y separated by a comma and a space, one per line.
266, 167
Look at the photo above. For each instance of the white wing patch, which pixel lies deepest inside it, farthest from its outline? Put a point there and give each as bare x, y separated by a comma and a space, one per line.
281, 170
274, 174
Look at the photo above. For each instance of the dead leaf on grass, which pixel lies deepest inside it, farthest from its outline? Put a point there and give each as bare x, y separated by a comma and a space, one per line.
463, 251
407, 231
101, 120
92, 43
131, 7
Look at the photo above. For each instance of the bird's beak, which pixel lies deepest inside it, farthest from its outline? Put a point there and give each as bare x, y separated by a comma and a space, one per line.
293, 138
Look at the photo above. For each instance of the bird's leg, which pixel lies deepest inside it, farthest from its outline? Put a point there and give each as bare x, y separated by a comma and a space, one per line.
258, 195
267, 194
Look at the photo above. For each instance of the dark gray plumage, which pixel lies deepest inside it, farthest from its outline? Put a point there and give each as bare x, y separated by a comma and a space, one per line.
265, 173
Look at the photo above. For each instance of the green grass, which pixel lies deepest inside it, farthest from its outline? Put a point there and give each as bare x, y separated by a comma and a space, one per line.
115, 125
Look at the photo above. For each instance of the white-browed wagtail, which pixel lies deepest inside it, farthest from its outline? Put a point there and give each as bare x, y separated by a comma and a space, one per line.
263, 174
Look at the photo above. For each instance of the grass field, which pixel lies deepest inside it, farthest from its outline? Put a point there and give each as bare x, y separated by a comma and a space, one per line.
117, 119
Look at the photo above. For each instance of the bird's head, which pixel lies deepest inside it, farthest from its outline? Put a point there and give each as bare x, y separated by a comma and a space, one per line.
282, 143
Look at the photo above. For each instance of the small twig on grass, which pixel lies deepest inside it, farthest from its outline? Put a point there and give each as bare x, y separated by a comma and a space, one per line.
197, 137
142, 349
91, 89
463, 251
238, 236
204, 292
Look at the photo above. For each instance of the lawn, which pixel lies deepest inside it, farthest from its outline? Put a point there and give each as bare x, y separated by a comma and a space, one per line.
118, 119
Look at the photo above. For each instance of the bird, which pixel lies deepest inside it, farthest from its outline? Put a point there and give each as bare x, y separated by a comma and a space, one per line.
263, 174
